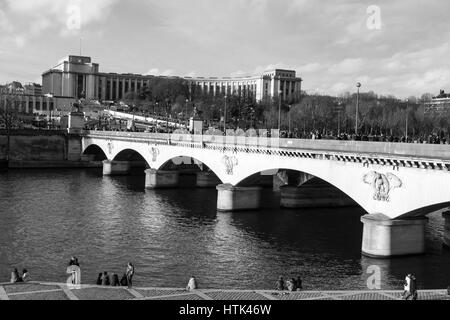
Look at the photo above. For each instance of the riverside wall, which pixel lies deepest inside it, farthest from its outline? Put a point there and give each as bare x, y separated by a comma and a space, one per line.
41, 149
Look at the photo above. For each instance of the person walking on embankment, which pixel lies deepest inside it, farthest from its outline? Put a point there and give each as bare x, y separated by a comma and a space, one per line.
130, 274
410, 287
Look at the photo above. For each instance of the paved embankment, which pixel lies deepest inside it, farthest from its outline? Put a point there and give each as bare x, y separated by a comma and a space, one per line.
57, 291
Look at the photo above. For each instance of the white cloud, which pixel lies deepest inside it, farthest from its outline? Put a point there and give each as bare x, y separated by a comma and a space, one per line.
20, 41
5, 24
165, 73
348, 66
339, 87
311, 67
43, 14
191, 74
239, 73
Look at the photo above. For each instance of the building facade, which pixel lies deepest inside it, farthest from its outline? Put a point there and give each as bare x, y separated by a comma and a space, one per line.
29, 99
33, 89
39, 104
77, 76
439, 104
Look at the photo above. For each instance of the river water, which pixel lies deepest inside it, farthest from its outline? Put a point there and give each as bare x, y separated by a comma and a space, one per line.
47, 216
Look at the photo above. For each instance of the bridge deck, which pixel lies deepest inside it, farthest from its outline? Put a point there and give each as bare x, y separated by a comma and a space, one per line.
57, 291
411, 151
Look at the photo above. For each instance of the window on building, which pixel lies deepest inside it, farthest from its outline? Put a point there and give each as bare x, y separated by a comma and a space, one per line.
51, 106
108, 90
114, 90
80, 86
44, 106
120, 89
100, 89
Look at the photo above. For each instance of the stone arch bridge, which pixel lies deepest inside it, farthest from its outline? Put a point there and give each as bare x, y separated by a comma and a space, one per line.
398, 185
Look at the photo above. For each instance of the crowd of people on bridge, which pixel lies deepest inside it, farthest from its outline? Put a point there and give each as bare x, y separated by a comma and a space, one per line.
431, 139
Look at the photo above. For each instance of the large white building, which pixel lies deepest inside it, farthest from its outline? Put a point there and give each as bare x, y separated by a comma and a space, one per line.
77, 76
29, 99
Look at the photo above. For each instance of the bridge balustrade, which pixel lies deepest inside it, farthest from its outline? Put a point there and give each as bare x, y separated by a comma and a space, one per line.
414, 151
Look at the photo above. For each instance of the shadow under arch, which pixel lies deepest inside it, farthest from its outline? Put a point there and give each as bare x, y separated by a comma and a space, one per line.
132, 156
301, 179
189, 164
425, 211
95, 152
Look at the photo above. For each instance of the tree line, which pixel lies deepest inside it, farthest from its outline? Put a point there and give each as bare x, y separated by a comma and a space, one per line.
378, 115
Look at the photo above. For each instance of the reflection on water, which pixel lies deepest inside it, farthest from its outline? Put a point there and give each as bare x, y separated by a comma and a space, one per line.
48, 216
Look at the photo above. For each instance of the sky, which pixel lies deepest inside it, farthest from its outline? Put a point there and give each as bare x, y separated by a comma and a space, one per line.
399, 47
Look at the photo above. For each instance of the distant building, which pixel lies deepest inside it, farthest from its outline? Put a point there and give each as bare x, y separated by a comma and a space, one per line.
439, 104
30, 100
78, 76
33, 89
14, 87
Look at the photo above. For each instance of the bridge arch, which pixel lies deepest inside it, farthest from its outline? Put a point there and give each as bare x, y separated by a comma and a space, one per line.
95, 152
131, 155
209, 162
310, 176
172, 162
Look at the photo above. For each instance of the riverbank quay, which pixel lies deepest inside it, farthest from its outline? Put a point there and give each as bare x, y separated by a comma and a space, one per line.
41, 149
54, 164
59, 291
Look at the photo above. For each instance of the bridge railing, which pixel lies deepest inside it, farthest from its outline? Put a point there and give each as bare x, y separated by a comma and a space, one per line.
428, 151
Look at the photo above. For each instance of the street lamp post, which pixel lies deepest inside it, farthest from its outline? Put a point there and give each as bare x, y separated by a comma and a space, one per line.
156, 118
289, 115
167, 115
279, 110
187, 117
407, 106
225, 116
339, 118
358, 85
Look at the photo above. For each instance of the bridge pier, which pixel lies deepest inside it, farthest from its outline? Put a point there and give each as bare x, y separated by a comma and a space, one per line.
116, 168
232, 198
383, 238
207, 180
446, 216
157, 179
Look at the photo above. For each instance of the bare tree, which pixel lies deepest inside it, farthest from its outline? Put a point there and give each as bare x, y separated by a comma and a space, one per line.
9, 116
